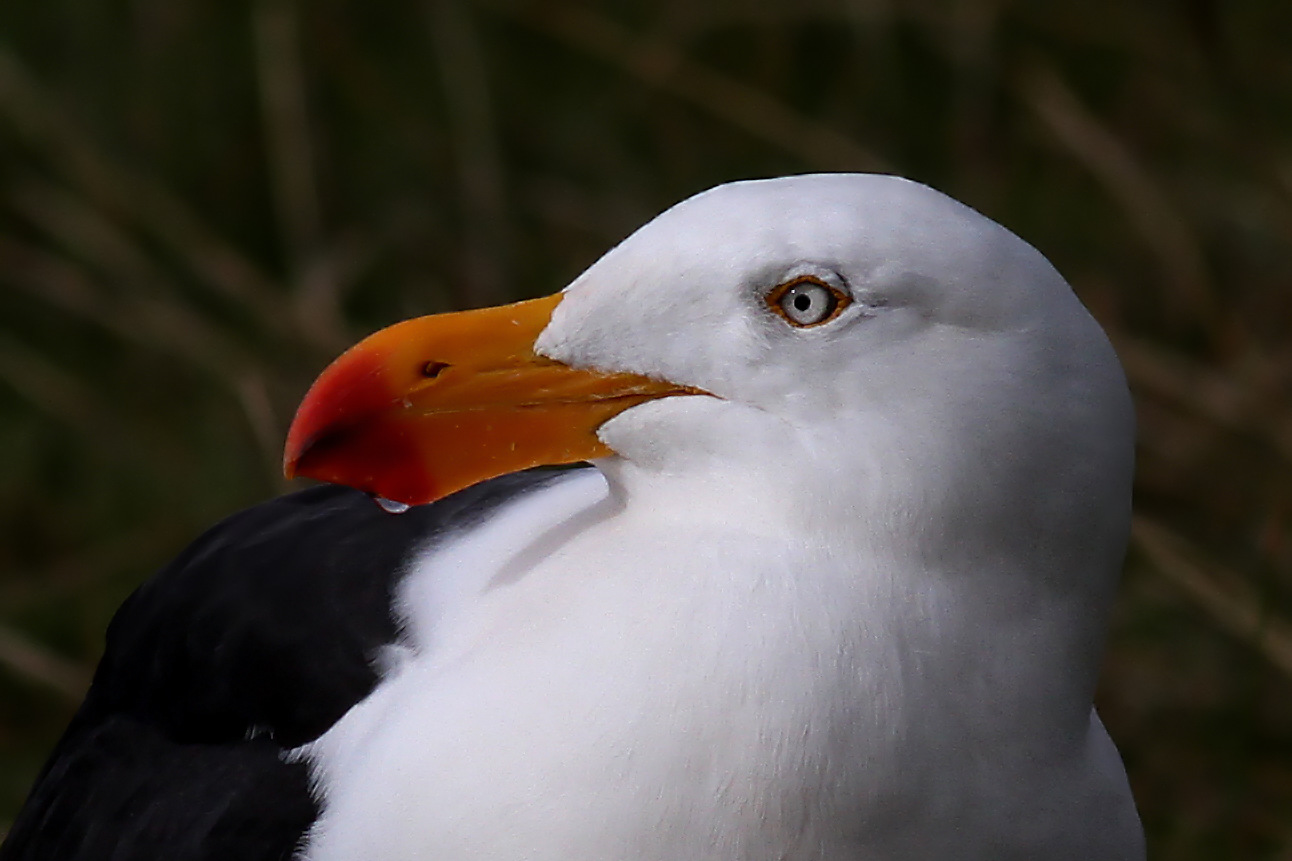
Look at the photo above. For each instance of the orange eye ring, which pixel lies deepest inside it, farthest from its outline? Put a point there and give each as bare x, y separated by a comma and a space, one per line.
806, 302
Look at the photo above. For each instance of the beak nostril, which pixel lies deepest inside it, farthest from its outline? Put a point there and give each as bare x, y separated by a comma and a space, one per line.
431, 370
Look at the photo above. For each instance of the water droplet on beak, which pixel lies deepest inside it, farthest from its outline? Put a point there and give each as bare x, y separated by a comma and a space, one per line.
390, 506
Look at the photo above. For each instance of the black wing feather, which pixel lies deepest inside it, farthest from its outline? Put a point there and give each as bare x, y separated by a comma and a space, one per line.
256, 639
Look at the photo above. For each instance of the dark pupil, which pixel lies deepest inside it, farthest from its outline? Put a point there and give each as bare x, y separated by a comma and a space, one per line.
802, 302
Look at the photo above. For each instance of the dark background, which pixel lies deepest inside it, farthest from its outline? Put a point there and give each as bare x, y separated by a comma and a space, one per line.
202, 201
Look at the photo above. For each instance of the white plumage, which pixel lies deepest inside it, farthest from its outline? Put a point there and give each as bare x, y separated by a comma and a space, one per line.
849, 608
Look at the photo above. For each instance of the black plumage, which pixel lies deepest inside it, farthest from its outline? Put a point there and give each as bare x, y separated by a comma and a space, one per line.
255, 640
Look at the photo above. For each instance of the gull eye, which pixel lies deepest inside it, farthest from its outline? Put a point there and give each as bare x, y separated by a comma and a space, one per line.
807, 302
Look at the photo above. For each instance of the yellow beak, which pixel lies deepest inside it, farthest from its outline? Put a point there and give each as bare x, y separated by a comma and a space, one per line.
435, 404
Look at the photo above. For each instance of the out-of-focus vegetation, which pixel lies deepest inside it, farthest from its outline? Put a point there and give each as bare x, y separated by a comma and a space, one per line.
201, 202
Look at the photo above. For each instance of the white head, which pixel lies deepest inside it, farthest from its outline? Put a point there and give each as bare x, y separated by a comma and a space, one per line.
963, 396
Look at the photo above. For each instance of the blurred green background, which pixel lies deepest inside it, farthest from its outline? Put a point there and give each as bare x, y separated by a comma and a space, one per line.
202, 202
